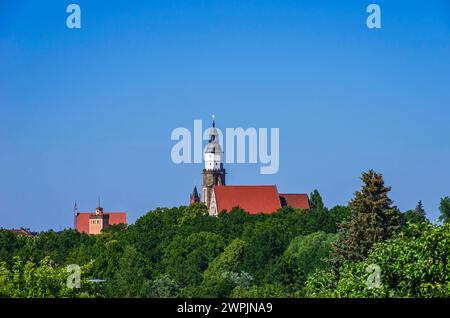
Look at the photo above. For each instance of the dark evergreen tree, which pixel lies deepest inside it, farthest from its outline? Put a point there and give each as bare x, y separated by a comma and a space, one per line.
374, 220
444, 207
315, 200
415, 216
419, 209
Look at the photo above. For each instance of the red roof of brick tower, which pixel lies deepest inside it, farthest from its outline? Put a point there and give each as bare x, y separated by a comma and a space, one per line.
82, 219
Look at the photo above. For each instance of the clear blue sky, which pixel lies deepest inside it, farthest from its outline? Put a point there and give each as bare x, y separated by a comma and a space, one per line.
89, 112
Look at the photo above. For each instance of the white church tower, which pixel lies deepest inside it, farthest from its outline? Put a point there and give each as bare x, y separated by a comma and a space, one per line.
213, 173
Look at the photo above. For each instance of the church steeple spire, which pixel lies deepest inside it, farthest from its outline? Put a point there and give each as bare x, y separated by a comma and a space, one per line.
75, 214
194, 198
213, 173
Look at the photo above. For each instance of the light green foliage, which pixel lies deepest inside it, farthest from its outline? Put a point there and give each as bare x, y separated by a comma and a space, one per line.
411, 266
43, 279
263, 291
189, 214
321, 283
164, 287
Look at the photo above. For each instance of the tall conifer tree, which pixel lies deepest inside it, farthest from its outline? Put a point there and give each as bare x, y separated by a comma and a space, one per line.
374, 219
315, 200
444, 208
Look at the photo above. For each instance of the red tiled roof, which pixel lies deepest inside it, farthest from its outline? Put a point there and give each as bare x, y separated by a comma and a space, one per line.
253, 199
295, 200
117, 217
113, 218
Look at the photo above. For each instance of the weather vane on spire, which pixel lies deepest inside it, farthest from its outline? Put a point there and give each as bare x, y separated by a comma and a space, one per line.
214, 121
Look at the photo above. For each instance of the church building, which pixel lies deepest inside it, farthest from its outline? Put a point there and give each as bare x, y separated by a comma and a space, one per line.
95, 222
218, 196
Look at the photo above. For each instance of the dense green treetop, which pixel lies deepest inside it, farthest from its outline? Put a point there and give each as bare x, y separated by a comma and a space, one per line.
184, 252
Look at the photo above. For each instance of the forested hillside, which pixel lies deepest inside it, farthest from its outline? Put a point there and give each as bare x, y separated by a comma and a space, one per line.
183, 252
